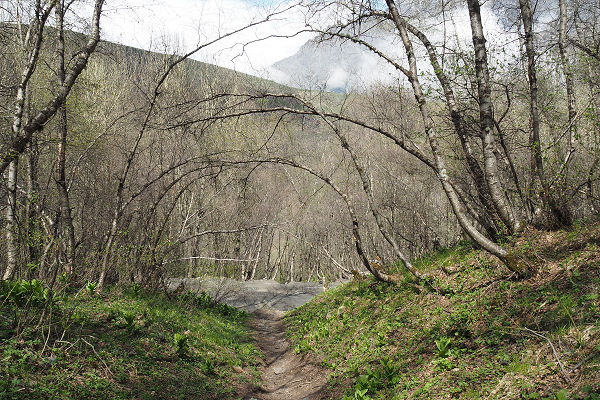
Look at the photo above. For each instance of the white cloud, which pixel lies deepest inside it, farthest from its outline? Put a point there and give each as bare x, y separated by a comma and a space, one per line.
165, 25
338, 78
318, 64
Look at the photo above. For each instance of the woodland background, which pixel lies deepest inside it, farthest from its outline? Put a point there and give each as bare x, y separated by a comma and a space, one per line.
127, 165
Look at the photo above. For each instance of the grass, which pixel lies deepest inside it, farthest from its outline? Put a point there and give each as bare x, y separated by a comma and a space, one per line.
126, 344
483, 335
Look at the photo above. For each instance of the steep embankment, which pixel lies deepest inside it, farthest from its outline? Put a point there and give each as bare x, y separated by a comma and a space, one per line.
481, 335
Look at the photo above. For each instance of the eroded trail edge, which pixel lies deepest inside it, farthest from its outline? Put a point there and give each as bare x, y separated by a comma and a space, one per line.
286, 375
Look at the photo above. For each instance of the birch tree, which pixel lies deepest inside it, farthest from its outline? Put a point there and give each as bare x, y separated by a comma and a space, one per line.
26, 123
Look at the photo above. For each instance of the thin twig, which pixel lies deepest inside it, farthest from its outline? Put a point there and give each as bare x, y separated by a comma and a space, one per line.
70, 344
560, 364
209, 258
97, 355
585, 359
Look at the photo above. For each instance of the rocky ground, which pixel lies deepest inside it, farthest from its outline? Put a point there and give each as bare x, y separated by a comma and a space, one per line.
252, 295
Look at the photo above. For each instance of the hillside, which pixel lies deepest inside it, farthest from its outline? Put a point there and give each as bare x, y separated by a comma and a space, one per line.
127, 344
480, 335
138, 58
477, 333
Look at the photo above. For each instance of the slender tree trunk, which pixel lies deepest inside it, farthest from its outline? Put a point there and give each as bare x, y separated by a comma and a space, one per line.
32, 225
32, 209
291, 277
592, 199
276, 267
66, 219
269, 253
108, 248
570, 86
486, 121
536, 163
11, 222
559, 213
571, 105
257, 258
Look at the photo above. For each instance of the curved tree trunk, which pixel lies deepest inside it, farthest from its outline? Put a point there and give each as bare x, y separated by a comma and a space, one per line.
366, 185
458, 208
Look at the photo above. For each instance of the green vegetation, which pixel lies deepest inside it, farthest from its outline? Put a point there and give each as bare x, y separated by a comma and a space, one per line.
126, 344
480, 335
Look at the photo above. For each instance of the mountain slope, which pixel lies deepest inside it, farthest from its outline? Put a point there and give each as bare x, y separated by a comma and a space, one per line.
339, 65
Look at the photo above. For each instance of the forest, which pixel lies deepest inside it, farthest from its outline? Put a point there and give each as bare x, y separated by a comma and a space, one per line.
114, 155
124, 168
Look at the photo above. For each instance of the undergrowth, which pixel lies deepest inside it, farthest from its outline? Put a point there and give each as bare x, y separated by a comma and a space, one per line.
126, 344
483, 335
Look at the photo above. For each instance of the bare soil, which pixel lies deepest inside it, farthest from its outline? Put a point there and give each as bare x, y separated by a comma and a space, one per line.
286, 375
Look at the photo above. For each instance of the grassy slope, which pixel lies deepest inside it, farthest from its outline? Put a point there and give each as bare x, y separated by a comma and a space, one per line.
482, 336
102, 356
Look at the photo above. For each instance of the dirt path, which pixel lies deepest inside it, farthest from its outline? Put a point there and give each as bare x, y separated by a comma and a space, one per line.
286, 375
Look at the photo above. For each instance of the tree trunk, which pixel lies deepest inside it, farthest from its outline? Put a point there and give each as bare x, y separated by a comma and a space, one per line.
559, 213
367, 188
567, 218
108, 249
257, 257
11, 222
486, 121
32, 224
291, 277
66, 219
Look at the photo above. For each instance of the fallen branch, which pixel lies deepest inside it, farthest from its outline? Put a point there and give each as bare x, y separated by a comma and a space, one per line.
585, 359
209, 258
554, 352
98, 355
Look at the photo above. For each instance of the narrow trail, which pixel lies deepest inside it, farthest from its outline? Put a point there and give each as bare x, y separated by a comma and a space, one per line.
286, 375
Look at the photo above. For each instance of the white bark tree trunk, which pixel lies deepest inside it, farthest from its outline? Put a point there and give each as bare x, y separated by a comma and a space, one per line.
11, 222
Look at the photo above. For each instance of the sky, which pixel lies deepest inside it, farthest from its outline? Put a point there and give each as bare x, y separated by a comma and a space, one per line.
165, 25
180, 25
